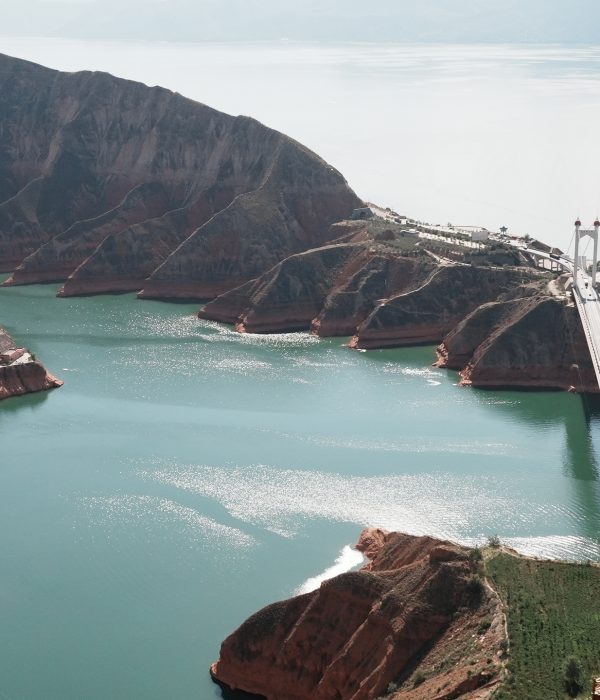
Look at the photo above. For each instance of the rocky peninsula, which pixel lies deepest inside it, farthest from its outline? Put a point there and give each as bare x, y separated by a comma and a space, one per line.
107, 185
497, 318
526, 338
411, 621
424, 619
20, 372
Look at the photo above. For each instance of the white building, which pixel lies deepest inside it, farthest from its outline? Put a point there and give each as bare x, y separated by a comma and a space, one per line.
480, 236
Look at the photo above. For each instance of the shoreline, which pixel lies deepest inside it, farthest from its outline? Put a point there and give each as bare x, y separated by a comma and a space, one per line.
499, 658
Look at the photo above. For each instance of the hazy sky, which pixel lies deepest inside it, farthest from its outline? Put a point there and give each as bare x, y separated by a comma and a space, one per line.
572, 21
507, 159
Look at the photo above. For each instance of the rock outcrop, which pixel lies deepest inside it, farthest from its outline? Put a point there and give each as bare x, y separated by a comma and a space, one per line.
411, 618
426, 314
105, 183
109, 185
503, 327
25, 374
531, 339
329, 290
365, 287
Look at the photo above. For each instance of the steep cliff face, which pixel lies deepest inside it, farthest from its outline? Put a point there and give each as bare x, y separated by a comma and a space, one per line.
24, 376
131, 255
330, 289
500, 326
528, 342
365, 629
354, 298
102, 180
291, 211
56, 259
363, 287
427, 314
287, 297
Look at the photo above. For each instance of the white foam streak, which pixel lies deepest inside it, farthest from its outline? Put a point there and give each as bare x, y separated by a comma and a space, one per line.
145, 513
556, 547
449, 506
347, 560
281, 500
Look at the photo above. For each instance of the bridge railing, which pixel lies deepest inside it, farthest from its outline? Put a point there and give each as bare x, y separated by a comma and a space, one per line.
594, 353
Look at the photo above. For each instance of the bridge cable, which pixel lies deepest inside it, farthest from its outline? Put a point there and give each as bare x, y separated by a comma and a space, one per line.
584, 394
573, 353
571, 242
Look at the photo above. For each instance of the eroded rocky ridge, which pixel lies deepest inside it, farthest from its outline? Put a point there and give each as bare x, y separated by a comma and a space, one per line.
528, 338
24, 375
382, 290
412, 617
109, 185
105, 183
427, 313
329, 290
497, 319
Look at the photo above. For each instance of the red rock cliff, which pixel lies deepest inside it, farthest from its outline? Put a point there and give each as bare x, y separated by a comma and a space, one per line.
22, 377
330, 289
364, 629
427, 314
530, 340
106, 182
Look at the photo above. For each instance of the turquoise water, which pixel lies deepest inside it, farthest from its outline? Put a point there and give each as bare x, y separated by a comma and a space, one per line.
186, 475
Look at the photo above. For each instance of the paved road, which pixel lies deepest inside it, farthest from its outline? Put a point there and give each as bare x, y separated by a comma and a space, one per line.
588, 305
563, 262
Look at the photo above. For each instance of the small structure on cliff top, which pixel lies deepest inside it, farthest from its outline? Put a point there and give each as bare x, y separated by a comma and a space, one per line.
480, 236
362, 213
9, 356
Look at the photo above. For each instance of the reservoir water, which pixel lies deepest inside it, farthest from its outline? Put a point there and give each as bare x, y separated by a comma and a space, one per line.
186, 475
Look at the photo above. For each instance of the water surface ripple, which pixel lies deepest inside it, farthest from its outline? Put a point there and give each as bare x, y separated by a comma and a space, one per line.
186, 475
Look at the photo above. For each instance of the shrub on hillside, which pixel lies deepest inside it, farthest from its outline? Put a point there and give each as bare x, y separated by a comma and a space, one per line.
573, 677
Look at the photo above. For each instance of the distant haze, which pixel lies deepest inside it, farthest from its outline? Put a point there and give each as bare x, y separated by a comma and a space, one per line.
503, 21
486, 135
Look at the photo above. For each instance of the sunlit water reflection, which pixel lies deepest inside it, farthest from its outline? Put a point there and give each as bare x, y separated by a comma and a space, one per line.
185, 475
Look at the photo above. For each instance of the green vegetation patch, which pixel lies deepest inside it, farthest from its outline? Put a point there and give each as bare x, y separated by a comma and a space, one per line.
553, 611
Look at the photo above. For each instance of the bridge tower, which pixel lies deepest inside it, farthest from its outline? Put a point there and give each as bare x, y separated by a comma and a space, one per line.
582, 233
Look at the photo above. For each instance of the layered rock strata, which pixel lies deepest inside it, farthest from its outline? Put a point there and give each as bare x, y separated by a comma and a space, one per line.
499, 326
106, 182
20, 373
426, 314
361, 287
329, 290
109, 186
394, 621
531, 339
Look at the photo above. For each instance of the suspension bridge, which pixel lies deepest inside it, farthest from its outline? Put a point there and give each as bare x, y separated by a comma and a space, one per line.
585, 293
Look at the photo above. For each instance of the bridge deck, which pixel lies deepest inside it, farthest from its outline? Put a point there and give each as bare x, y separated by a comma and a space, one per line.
588, 305
587, 302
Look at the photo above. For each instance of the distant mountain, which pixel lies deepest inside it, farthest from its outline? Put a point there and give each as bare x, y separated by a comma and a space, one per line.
532, 21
